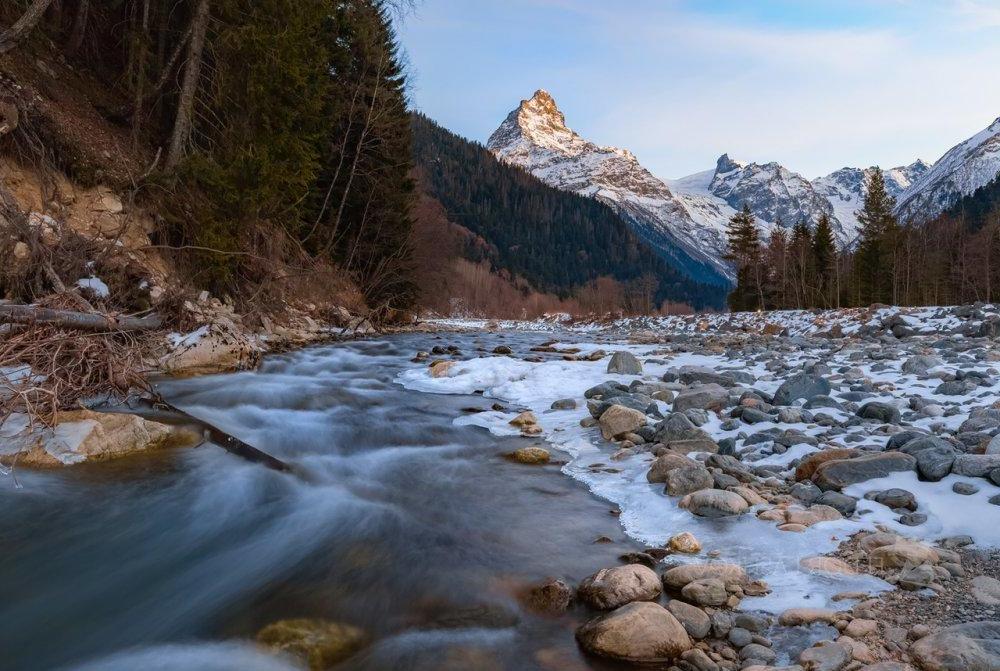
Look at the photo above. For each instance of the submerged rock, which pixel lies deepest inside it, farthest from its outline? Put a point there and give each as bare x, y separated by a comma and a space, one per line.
319, 643
530, 455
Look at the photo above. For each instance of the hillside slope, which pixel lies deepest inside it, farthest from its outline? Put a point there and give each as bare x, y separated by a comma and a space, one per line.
555, 240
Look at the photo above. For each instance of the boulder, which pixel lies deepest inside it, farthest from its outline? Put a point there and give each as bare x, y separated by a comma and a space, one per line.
706, 592
688, 479
897, 498
920, 364
973, 646
217, 348
679, 576
807, 467
804, 386
840, 473
667, 462
882, 412
702, 397
320, 644
694, 620
714, 503
624, 363
84, 435
986, 590
975, 465
794, 617
618, 419
638, 632
825, 656
613, 587
902, 553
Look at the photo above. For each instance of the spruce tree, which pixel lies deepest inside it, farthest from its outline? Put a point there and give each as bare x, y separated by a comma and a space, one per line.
801, 250
745, 254
873, 262
824, 258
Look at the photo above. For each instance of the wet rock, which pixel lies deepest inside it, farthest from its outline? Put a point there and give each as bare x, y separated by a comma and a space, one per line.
694, 620
637, 632
320, 644
807, 467
842, 503
973, 646
714, 503
617, 586
624, 363
740, 637
684, 542
758, 653
530, 455
803, 386
550, 597
838, 474
564, 404
618, 419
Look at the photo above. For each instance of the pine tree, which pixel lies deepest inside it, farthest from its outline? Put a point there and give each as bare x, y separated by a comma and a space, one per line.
745, 254
800, 247
874, 261
824, 259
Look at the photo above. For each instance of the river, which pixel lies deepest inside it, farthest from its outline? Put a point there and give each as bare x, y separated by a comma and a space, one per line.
404, 523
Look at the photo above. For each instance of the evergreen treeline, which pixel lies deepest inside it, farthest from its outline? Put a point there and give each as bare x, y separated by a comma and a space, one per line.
280, 131
952, 259
557, 241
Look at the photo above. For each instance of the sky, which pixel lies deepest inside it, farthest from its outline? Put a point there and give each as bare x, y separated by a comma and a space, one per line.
813, 84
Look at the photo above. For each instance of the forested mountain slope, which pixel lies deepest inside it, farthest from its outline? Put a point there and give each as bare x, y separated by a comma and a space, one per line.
556, 240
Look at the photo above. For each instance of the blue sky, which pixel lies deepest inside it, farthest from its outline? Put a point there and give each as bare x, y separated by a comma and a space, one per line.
813, 84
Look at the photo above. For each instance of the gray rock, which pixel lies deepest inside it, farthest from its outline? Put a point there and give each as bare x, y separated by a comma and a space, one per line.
882, 412
916, 577
919, 365
694, 620
759, 653
975, 465
564, 404
844, 504
740, 637
637, 632
935, 464
964, 488
688, 479
706, 592
973, 646
619, 585
754, 416
839, 473
704, 397
897, 498
806, 492
825, 656
986, 590
714, 503
606, 389
912, 519
624, 363
804, 386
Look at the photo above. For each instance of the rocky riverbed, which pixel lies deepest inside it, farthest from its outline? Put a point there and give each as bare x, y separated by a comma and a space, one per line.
833, 476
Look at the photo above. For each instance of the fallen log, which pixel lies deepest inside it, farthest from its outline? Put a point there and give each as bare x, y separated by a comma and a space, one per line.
30, 314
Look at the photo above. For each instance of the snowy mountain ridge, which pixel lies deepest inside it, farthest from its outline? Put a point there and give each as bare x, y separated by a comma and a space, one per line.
689, 215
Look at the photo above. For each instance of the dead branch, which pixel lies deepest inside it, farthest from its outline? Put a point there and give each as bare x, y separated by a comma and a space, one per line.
24, 25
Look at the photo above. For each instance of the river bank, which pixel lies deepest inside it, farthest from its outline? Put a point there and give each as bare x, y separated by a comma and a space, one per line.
409, 523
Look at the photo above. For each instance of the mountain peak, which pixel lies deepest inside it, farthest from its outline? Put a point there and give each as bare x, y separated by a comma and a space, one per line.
727, 164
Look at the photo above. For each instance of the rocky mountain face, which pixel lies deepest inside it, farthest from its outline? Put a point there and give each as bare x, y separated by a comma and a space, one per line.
686, 218
963, 169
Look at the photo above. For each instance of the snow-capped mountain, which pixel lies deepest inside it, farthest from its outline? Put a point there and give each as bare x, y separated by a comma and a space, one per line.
845, 190
535, 137
963, 169
685, 219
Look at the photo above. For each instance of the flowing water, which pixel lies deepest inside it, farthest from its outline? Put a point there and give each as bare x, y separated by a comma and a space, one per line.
405, 524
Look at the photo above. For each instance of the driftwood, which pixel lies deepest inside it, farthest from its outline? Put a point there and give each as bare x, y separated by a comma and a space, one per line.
30, 314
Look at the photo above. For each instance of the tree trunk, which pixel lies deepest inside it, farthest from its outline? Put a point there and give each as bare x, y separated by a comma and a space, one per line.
30, 314
189, 87
24, 25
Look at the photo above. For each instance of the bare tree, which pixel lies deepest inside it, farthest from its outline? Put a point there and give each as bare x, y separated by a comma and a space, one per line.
24, 25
